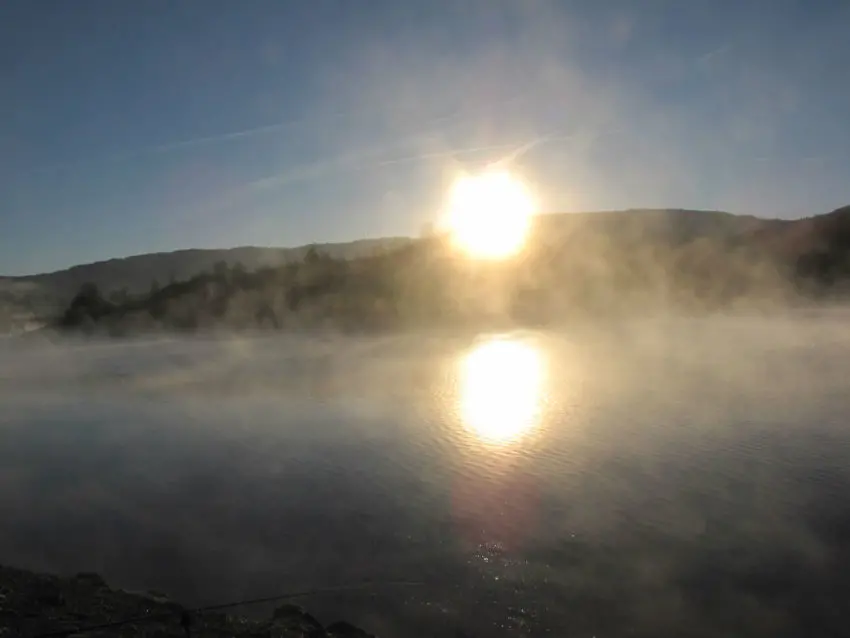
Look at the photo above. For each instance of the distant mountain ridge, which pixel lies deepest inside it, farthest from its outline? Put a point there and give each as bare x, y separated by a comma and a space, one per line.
46, 293
137, 271
817, 245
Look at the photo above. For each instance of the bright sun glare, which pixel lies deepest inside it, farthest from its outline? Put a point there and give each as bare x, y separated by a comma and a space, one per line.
501, 390
489, 215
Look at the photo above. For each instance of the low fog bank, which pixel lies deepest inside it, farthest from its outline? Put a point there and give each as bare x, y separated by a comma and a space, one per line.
733, 345
690, 477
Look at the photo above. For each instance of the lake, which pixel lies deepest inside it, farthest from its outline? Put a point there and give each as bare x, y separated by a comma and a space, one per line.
661, 477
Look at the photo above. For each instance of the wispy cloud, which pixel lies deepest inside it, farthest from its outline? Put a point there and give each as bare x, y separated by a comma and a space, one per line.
229, 136
135, 153
505, 155
366, 160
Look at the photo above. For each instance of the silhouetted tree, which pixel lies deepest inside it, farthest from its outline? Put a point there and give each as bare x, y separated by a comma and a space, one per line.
312, 256
266, 316
119, 296
220, 270
238, 275
86, 307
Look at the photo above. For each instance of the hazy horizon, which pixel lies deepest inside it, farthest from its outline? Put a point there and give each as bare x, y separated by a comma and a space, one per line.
353, 240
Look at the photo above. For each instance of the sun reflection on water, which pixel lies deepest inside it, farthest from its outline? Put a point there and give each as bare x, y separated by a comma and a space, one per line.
501, 390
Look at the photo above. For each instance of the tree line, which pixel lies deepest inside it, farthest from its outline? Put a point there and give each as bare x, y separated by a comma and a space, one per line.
426, 283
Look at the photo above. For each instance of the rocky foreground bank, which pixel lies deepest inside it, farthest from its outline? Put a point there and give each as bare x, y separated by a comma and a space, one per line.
36, 605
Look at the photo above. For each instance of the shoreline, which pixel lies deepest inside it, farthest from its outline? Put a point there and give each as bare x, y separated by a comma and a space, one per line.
39, 605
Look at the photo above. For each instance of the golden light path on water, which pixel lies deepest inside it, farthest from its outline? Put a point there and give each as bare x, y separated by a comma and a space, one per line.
502, 390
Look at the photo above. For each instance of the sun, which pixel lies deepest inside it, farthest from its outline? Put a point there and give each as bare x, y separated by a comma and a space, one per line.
489, 215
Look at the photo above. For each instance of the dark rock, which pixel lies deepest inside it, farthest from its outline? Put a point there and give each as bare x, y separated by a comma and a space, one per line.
346, 630
287, 611
292, 620
91, 579
34, 604
49, 593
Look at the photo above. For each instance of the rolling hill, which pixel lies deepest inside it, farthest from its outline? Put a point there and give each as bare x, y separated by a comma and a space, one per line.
41, 295
691, 248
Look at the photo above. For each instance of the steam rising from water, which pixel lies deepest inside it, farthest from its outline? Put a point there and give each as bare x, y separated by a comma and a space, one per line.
663, 471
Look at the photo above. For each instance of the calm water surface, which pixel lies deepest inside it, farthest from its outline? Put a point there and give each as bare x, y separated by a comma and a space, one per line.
668, 477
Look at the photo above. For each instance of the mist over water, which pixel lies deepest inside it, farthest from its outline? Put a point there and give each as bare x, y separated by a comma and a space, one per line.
658, 477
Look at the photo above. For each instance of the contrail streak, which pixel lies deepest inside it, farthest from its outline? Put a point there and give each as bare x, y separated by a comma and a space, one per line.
365, 159
360, 162
439, 154
260, 130
266, 129
355, 162
351, 163
255, 131
182, 144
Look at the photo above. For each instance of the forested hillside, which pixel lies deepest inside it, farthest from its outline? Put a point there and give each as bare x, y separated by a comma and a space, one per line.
598, 264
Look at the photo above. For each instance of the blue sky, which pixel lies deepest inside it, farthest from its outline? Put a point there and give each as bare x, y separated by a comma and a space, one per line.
131, 127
